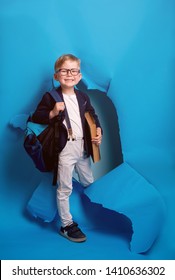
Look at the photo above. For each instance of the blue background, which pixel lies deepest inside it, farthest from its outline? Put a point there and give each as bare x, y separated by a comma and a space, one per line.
127, 52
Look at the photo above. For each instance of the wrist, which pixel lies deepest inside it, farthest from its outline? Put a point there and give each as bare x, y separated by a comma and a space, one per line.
51, 115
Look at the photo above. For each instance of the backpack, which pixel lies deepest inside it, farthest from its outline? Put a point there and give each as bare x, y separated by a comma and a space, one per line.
41, 143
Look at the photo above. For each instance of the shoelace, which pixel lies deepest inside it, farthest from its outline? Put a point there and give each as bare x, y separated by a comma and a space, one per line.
73, 228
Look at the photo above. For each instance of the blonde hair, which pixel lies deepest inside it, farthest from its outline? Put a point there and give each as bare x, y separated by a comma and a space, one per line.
65, 57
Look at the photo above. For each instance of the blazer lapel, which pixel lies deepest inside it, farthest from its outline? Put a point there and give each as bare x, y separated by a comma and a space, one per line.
82, 103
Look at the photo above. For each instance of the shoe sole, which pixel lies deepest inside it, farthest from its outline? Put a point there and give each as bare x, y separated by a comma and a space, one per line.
78, 240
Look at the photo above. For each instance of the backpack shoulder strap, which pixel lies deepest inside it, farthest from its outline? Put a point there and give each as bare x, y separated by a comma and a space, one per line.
55, 95
57, 98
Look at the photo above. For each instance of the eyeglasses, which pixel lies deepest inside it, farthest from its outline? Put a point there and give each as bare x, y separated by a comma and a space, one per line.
64, 71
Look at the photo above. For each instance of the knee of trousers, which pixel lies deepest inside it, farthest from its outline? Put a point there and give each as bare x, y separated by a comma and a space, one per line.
88, 183
63, 193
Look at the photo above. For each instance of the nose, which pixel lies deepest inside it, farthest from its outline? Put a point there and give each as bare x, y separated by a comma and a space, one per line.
69, 72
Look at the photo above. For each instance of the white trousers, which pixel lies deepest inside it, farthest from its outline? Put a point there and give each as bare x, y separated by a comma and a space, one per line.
71, 158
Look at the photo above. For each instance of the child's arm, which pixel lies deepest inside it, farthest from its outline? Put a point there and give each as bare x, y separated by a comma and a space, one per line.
96, 140
59, 107
47, 110
91, 110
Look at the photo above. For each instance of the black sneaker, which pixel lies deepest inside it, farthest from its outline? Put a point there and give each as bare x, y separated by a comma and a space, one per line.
73, 233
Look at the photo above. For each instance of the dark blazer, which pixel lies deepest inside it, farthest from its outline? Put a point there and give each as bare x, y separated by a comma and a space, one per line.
41, 115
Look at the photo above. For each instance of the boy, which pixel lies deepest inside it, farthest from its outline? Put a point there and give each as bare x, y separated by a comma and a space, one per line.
77, 146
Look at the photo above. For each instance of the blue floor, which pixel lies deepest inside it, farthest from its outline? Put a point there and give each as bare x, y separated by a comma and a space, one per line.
24, 237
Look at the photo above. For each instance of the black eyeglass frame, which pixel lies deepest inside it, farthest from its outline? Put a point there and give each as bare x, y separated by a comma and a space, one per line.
67, 71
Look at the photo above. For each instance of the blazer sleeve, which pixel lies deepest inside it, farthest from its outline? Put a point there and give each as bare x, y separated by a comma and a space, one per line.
41, 114
91, 110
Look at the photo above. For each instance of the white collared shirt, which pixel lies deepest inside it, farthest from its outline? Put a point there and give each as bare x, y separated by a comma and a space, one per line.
73, 113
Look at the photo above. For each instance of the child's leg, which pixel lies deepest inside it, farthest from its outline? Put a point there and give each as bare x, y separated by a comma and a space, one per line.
67, 160
83, 169
65, 169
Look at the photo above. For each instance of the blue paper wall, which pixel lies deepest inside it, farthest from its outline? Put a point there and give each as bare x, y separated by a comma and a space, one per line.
127, 53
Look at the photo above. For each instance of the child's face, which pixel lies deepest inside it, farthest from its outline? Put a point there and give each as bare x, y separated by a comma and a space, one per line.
68, 79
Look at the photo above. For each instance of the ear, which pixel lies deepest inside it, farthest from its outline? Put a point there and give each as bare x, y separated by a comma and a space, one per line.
55, 76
